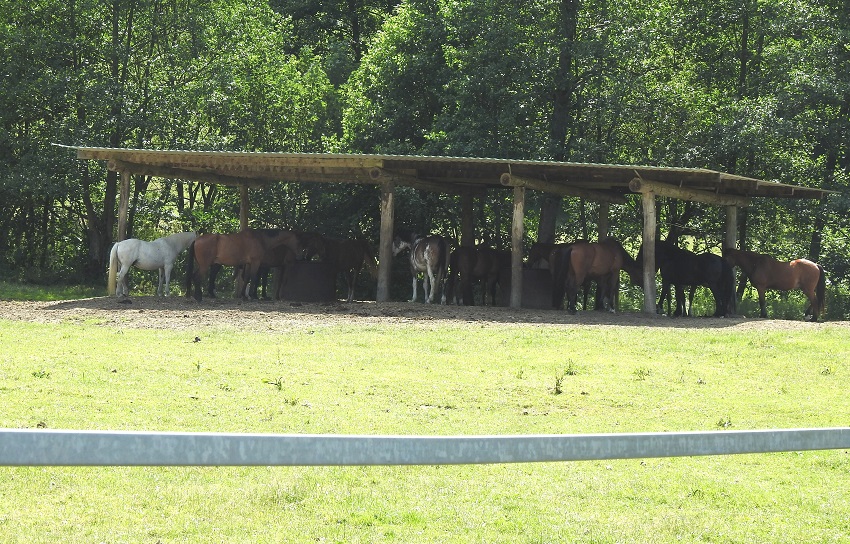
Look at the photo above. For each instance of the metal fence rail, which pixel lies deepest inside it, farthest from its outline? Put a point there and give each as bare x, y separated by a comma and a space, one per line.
120, 448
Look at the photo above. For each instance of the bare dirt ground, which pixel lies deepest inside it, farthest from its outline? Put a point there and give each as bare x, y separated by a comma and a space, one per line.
180, 313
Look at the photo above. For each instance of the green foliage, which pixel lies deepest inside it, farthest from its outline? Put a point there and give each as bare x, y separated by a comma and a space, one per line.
752, 88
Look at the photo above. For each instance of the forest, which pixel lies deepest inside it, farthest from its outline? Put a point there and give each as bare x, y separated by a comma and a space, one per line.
758, 88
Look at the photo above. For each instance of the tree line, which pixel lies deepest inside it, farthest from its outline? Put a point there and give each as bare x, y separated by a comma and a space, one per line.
754, 88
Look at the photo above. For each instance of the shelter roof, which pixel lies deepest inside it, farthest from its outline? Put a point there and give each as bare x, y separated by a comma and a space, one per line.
445, 174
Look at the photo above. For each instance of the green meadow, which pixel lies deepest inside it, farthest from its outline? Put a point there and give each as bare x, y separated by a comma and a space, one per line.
431, 377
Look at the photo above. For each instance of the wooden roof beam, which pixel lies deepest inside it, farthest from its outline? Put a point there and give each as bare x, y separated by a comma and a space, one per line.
510, 180
639, 185
179, 173
381, 175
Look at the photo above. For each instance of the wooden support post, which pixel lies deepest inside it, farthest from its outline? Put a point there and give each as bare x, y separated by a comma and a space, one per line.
548, 218
731, 238
244, 206
467, 223
123, 204
604, 222
385, 244
516, 247
648, 201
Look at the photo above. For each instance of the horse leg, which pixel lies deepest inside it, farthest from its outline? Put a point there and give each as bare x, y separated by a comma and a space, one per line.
680, 301
351, 279
690, 309
665, 294
813, 304
198, 278
122, 288
613, 287
428, 285
415, 281
763, 312
214, 270
159, 291
573, 283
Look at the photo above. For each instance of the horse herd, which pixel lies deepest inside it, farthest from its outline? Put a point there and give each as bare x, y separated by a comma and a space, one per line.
572, 266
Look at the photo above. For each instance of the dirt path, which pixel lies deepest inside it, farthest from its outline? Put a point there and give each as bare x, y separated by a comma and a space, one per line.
180, 313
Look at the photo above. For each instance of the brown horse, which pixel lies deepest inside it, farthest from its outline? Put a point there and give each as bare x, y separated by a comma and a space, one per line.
573, 264
349, 256
473, 263
244, 250
765, 273
429, 255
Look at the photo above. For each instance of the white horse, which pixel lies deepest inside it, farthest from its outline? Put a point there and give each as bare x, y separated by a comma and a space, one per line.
157, 255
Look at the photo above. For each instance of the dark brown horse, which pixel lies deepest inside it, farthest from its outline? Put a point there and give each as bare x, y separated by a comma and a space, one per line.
348, 257
539, 254
680, 268
245, 250
429, 255
474, 263
573, 264
765, 273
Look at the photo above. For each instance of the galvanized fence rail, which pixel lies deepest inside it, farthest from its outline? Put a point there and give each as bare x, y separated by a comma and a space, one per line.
38, 447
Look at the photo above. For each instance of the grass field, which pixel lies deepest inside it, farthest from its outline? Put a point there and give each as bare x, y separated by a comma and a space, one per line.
430, 377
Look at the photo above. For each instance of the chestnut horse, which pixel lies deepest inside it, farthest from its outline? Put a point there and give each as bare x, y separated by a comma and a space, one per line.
429, 255
348, 257
281, 248
765, 273
245, 249
573, 264
473, 263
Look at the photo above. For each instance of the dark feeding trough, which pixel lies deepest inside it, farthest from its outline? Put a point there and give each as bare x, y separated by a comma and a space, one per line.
310, 281
536, 288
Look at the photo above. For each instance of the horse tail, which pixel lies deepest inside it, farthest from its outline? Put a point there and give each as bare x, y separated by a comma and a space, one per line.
190, 268
820, 291
113, 269
371, 259
558, 267
444, 257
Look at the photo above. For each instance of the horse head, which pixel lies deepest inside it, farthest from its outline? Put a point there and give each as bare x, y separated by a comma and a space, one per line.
404, 240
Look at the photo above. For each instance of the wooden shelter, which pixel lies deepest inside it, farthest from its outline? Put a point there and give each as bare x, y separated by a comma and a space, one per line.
605, 183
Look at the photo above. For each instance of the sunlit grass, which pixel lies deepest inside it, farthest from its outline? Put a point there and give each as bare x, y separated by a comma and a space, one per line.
433, 378
28, 291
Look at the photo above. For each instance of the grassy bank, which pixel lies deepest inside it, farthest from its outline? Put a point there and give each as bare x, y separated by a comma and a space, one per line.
430, 378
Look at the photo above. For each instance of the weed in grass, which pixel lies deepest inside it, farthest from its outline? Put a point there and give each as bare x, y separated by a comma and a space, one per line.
570, 370
276, 382
724, 422
641, 373
41, 374
827, 370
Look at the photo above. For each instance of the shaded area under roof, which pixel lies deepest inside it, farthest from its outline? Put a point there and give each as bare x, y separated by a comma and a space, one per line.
458, 175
